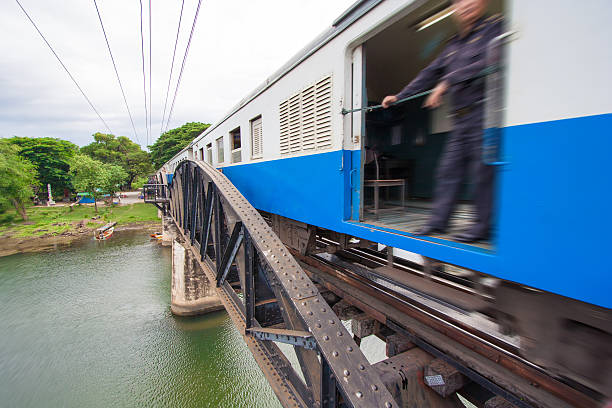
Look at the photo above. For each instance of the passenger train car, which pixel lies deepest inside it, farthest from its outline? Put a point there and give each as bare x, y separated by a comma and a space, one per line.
294, 152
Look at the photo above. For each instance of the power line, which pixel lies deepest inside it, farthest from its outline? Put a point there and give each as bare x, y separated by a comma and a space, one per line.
178, 83
144, 76
64, 66
116, 71
172, 66
150, 71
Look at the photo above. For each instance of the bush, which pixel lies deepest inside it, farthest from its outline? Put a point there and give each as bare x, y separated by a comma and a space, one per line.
139, 182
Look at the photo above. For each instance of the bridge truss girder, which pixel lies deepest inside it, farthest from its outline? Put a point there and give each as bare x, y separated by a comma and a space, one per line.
240, 253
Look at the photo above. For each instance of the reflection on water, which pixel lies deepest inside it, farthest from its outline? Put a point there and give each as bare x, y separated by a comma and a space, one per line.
91, 326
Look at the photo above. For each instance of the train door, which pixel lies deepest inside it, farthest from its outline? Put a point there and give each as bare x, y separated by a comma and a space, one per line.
402, 145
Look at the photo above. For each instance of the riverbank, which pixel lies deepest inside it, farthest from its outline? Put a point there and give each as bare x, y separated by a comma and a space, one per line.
52, 227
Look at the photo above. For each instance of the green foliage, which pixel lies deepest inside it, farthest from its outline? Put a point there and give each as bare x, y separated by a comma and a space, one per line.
120, 151
51, 157
87, 175
171, 142
139, 182
113, 177
17, 177
93, 176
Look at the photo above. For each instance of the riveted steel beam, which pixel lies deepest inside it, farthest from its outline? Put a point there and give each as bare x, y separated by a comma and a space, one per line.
293, 337
229, 255
335, 370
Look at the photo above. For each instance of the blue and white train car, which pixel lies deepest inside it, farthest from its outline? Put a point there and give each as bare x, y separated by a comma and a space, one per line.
292, 152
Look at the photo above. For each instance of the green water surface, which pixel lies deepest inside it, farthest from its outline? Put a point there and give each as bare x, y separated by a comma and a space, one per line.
90, 326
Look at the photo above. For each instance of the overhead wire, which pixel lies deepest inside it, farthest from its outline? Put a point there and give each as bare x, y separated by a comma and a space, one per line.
127, 107
150, 70
144, 76
172, 67
65, 68
178, 83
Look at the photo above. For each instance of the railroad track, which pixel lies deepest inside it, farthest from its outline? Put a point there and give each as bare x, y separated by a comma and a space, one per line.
441, 328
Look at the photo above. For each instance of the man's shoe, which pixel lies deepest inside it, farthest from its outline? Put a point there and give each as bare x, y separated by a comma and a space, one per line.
469, 237
428, 230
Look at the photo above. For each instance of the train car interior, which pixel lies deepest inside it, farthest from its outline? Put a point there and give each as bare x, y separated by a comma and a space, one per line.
403, 144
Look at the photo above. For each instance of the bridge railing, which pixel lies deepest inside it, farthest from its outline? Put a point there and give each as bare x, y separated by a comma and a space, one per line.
155, 193
269, 296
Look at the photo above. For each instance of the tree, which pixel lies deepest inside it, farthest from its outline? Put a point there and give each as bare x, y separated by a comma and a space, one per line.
139, 182
50, 156
120, 151
171, 142
113, 177
17, 177
88, 176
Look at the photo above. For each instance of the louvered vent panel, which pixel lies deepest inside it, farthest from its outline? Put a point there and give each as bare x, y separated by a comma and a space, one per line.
308, 118
323, 113
257, 142
305, 119
295, 142
236, 156
284, 127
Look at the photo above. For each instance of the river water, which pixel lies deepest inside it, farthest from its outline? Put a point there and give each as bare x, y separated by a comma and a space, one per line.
90, 326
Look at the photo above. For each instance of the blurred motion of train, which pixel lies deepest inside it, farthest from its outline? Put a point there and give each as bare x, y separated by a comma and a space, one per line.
362, 177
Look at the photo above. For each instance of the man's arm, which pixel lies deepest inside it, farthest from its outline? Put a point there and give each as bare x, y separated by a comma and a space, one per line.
427, 78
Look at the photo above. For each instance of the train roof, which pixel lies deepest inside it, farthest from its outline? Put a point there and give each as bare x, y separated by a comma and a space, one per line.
348, 17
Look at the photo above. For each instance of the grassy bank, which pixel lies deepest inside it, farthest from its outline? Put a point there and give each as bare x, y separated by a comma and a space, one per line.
58, 220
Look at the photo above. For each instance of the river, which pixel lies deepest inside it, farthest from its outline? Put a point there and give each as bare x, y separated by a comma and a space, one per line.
90, 326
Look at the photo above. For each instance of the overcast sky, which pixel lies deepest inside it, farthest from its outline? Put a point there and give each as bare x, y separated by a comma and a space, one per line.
236, 46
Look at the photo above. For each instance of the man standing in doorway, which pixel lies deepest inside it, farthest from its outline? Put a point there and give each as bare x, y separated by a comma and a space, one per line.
457, 70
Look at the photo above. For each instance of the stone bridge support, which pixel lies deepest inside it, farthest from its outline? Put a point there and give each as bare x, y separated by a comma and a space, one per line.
192, 292
169, 231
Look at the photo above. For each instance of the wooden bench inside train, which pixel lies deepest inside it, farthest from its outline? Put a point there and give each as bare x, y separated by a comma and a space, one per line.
403, 144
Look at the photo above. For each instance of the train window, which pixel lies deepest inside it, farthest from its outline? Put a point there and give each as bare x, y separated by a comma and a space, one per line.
256, 138
209, 157
236, 144
403, 145
220, 155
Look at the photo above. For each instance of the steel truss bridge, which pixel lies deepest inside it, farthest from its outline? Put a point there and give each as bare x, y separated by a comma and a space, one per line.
278, 295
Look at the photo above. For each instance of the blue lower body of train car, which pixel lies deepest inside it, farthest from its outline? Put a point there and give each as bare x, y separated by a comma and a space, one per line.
552, 206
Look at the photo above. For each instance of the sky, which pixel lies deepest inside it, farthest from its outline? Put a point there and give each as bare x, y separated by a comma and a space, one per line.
236, 45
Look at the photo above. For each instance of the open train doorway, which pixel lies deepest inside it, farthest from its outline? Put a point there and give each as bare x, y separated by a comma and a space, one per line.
402, 145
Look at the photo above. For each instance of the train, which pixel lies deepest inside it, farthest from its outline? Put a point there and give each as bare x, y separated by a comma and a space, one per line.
304, 149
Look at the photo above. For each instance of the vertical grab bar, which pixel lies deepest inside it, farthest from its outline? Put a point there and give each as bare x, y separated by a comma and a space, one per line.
494, 100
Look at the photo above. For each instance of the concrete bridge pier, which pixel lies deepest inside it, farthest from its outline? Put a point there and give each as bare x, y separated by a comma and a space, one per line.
192, 293
169, 231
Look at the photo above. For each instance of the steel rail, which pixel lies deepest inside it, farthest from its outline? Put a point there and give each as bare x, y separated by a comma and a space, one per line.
366, 290
211, 215
425, 308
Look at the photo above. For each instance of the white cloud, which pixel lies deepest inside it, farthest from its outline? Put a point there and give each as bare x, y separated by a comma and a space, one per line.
236, 46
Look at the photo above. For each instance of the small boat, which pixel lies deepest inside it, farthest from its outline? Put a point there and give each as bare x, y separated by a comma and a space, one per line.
156, 235
105, 232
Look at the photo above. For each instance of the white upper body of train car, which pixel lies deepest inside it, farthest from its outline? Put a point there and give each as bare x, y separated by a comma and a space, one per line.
555, 41
290, 150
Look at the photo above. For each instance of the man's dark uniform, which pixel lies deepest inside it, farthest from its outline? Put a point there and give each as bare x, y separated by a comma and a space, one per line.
460, 65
